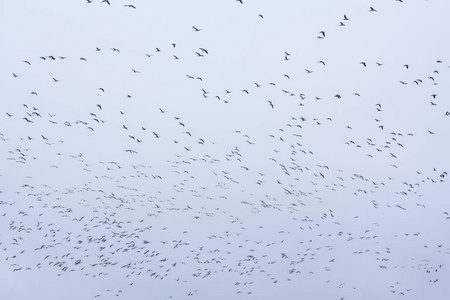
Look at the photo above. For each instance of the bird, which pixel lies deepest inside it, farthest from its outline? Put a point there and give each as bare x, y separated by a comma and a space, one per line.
195, 28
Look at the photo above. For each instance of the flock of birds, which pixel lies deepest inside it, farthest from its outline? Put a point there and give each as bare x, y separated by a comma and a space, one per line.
259, 189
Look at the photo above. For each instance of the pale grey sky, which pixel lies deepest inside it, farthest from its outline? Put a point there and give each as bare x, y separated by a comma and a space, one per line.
224, 150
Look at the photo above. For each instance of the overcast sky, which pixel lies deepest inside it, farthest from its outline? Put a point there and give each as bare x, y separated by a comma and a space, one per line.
224, 150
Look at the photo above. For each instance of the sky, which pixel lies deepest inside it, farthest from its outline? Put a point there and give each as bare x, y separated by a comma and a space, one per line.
224, 150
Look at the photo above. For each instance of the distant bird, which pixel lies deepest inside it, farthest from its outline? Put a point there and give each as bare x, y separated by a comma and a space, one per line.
130, 6
107, 1
195, 28
372, 9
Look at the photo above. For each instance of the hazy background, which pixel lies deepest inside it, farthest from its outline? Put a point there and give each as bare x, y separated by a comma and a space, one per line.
338, 191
